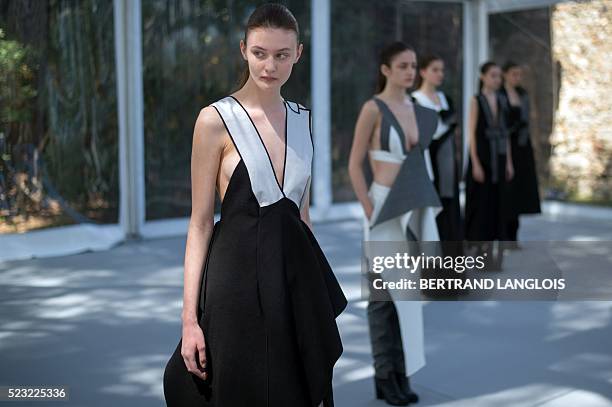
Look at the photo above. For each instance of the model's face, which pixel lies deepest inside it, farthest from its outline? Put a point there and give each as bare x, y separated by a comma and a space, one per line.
492, 79
402, 70
270, 54
513, 76
434, 73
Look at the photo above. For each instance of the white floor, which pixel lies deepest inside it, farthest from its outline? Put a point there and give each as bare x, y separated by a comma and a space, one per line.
105, 323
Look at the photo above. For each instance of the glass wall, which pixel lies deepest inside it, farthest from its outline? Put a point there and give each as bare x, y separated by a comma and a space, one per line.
191, 58
360, 28
567, 75
524, 37
58, 113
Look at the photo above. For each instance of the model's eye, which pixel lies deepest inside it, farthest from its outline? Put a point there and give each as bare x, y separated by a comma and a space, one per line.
282, 56
258, 54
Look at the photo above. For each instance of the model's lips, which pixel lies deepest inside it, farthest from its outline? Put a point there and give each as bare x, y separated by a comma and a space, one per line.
268, 78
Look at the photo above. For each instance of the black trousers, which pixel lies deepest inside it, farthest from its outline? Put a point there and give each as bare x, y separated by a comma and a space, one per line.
386, 338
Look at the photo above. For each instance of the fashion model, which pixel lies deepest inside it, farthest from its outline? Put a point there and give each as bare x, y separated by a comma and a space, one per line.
260, 299
443, 148
524, 196
489, 168
400, 205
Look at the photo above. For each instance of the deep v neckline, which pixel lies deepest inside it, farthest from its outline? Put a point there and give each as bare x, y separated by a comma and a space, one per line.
281, 184
494, 118
396, 124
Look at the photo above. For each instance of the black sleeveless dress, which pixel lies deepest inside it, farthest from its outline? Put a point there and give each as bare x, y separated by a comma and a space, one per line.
524, 196
269, 298
485, 203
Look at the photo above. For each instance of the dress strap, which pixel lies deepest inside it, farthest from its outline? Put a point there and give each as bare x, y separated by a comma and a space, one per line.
300, 150
388, 121
250, 147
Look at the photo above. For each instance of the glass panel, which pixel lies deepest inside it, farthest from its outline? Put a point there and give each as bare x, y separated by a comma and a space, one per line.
564, 52
361, 28
529, 33
191, 59
58, 131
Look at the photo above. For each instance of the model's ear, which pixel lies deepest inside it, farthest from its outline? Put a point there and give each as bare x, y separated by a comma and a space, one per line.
300, 48
243, 49
385, 70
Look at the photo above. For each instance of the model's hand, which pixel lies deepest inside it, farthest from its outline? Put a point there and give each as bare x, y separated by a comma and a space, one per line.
478, 173
368, 209
193, 349
509, 170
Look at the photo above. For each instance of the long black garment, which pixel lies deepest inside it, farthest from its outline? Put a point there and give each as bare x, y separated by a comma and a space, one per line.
269, 298
523, 194
445, 165
443, 154
485, 211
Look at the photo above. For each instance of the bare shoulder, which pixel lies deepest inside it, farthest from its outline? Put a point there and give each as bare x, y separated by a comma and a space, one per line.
210, 120
209, 127
474, 102
369, 109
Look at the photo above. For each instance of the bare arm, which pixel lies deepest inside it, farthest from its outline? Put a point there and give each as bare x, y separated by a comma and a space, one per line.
509, 151
477, 170
472, 122
361, 140
207, 148
509, 164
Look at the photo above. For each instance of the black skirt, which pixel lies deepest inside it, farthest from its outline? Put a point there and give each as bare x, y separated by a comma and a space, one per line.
267, 308
523, 192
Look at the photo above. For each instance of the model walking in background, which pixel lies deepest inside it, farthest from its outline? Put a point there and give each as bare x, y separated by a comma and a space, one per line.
489, 167
443, 148
400, 205
524, 197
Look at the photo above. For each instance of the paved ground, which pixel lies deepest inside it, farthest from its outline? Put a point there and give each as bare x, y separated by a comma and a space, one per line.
105, 323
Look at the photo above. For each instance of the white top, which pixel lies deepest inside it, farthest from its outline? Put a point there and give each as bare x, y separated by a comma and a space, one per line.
424, 100
395, 153
252, 150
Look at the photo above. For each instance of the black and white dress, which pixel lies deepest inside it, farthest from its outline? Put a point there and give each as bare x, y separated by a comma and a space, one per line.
443, 154
403, 212
269, 298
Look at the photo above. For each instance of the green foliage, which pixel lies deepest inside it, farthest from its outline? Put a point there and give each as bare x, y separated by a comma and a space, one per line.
16, 72
59, 112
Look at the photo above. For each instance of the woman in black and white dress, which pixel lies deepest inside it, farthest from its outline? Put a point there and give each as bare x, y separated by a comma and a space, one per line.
400, 206
443, 151
260, 299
